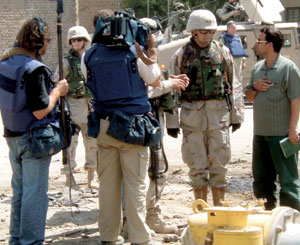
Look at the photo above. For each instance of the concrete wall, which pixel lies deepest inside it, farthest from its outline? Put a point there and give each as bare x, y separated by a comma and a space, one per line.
14, 12
290, 3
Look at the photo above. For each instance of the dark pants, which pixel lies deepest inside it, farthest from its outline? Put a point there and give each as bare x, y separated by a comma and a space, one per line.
269, 162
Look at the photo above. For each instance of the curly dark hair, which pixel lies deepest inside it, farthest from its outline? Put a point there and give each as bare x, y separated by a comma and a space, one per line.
273, 35
31, 35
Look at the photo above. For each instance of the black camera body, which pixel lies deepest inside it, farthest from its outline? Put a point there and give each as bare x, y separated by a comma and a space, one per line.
121, 30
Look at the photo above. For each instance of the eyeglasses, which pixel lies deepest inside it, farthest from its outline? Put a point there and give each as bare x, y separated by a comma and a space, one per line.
261, 41
207, 31
80, 39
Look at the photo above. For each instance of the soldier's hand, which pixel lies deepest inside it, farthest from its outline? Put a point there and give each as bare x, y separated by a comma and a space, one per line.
235, 126
63, 87
173, 132
180, 82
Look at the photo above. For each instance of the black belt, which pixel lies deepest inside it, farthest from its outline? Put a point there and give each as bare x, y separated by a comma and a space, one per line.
8, 133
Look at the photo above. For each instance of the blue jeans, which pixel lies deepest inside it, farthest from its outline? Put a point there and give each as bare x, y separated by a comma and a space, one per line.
29, 202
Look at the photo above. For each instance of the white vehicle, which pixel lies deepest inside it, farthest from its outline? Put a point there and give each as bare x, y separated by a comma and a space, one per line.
248, 33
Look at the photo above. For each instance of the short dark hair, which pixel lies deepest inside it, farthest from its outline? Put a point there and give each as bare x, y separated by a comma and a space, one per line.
102, 13
31, 35
274, 36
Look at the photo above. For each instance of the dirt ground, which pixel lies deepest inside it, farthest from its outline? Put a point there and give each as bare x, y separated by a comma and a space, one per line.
66, 225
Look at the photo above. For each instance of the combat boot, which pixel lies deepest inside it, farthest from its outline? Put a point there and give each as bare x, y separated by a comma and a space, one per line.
200, 193
218, 195
70, 181
158, 224
91, 182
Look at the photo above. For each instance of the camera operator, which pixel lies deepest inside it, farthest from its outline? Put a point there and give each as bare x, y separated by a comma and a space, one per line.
114, 77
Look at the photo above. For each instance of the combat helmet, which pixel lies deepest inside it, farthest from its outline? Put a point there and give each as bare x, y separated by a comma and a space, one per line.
178, 5
201, 19
76, 32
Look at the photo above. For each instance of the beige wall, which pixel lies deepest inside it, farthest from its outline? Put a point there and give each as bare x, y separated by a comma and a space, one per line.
13, 12
88, 8
290, 3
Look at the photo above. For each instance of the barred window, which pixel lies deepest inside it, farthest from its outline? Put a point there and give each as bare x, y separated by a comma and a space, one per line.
293, 14
287, 40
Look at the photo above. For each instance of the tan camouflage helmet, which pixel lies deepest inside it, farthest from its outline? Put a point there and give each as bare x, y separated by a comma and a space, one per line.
178, 5
201, 19
76, 32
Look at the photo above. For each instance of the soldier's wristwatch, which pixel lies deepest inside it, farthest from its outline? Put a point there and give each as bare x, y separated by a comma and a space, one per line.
252, 87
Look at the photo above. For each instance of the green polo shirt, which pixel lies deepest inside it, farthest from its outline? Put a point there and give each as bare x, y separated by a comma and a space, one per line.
272, 108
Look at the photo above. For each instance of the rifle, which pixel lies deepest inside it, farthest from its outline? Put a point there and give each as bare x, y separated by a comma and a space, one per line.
154, 153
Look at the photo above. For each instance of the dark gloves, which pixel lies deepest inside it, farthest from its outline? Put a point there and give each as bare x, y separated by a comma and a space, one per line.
173, 132
235, 127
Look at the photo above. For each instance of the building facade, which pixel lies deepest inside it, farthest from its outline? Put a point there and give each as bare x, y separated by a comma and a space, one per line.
76, 12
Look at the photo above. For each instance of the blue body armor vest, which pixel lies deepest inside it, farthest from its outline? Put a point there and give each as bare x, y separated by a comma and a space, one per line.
114, 80
235, 46
13, 99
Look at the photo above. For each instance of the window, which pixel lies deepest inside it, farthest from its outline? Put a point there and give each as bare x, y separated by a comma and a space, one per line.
287, 40
293, 14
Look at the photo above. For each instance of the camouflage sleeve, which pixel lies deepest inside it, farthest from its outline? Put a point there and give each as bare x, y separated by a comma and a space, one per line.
175, 64
237, 113
172, 120
224, 14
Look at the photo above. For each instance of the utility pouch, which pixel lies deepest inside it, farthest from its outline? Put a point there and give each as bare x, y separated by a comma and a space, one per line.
93, 125
77, 89
46, 140
134, 129
169, 101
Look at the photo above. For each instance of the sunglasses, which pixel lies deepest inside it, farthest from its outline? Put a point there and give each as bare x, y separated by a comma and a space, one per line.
207, 31
260, 41
80, 39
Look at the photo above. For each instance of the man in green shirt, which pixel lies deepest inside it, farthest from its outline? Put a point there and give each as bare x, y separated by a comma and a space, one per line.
275, 90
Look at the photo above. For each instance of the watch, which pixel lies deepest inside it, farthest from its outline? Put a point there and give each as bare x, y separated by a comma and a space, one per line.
252, 87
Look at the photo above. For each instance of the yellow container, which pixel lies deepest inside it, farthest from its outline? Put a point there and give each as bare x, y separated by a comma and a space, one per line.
224, 216
247, 236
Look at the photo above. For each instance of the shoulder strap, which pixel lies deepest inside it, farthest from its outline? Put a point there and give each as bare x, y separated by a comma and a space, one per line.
222, 57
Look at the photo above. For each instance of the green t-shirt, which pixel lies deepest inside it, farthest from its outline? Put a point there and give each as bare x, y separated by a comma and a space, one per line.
272, 108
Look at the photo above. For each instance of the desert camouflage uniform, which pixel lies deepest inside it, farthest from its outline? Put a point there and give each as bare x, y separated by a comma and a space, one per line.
205, 122
79, 110
227, 13
153, 208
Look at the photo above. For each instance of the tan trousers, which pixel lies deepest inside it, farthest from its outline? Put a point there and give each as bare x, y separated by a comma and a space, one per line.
79, 109
117, 162
205, 144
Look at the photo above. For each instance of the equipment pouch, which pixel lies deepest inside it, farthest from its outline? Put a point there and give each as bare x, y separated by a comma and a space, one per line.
46, 140
93, 124
134, 129
77, 89
169, 101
